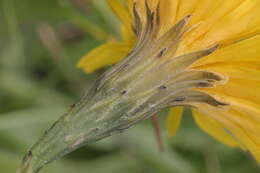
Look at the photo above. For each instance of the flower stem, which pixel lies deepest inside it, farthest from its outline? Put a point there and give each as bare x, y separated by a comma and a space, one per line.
157, 132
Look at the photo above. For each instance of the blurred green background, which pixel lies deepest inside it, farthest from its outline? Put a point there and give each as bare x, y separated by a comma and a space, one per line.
40, 43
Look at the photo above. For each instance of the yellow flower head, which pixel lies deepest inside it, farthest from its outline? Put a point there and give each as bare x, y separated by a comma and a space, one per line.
199, 53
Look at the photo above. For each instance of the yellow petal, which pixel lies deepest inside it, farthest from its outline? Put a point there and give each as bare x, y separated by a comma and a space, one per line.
240, 63
127, 35
214, 128
246, 14
173, 120
241, 52
242, 112
121, 10
251, 142
245, 88
186, 7
248, 71
240, 133
218, 24
168, 14
103, 55
242, 88
210, 11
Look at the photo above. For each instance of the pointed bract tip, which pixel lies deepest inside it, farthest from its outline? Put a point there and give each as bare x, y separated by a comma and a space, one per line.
187, 17
26, 164
214, 48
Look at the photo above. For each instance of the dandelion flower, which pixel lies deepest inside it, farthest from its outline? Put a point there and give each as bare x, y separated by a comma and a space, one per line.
199, 53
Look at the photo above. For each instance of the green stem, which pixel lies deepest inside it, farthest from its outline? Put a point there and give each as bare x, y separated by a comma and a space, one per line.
98, 115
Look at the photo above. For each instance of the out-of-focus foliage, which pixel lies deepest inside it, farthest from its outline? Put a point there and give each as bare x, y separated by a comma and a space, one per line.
40, 43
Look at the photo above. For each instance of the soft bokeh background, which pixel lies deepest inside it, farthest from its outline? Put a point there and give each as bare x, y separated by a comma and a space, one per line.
40, 43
